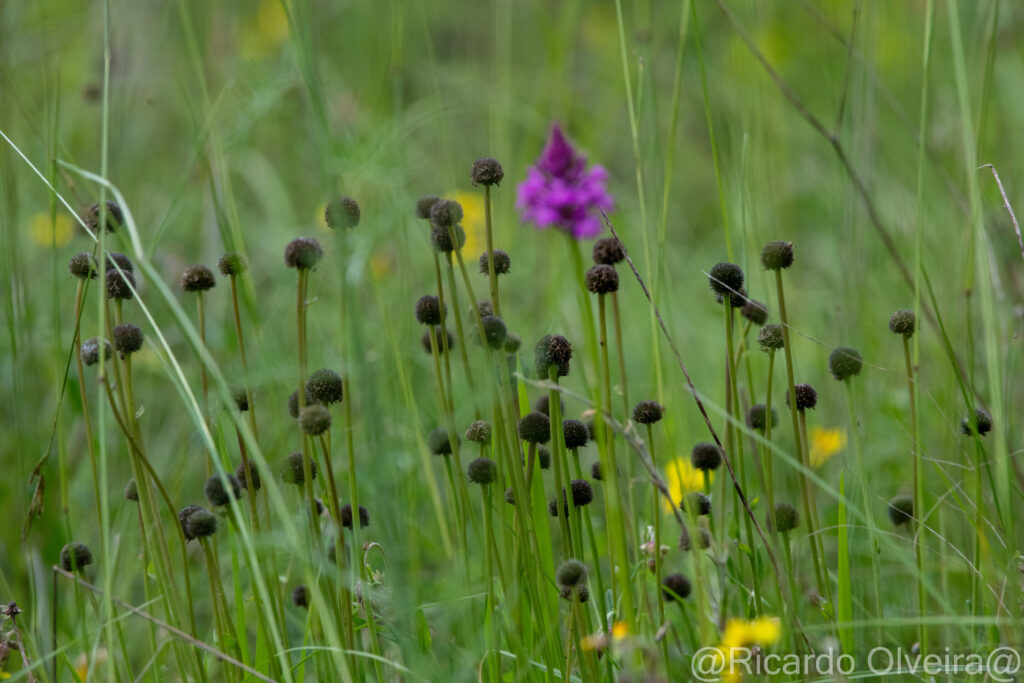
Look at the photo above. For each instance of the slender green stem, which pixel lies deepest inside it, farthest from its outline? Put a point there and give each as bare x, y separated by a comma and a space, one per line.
492, 275
919, 504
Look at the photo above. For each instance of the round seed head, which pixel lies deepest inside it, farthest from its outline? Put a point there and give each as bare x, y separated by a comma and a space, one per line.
736, 300
647, 412
439, 338
292, 471
342, 212
575, 434
115, 218
602, 279
254, 474
675, 587
844, 363
221, 490
755, 311
502, 263
757, 417
483, 308
582, 492
82, 266
314, 419
806, 397
701, 503
482, 471
486, 171
324, 386
120, 285
582, 594
901, 510
543, 404
200, 524
184, 514
770, 338
543, 457
706, 456
703, 540
116, 258
91, 349
439, 442
535, 428
131, 491
725, 279
787, 518
512, 342
241, 397
553, 351
777, 255
300, 597
608, 251
479, 433
446, 212
75, 556
293, 404
442, 239
429, 310
494, 330
981, 418
425, 204
303, 253
571, 573
510, 496
595, 471
127, 339
346, 516
903, 322
197, 279
232, 263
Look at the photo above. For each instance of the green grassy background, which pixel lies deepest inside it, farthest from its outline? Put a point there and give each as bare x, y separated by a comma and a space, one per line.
231, 123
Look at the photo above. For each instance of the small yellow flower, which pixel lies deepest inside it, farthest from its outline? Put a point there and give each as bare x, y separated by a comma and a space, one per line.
682, 477
825, 443
473, 223
82, 663
46, 233
265, 31
620, 630
742, 633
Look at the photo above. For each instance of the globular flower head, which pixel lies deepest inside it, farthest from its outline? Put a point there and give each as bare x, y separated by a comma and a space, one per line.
787, 518
703, 539
479, 433
582, 594
647, 412
757, 417
184, 514
844, 363
571, 573
197, 278
512, 342
575, 434
595, 471
981, 418
482, 471
903, 322
608, 251
543, 404
482, 308
254, 475
502, 262
82, 266
300, 597
241, 397
127, 339
292, 471
553, 351
754, 311
582, 492
559, 191
439, 335
314, 419
116, 259
535, 427
120, 284
324, 386
200, 523
342, 212
131, 491
494, 331
675, 587
543, 457
115, 218
706, 456
425, 204
602, 279
486, 171
777, 255
303, 253
806, 397
700, 503
75, 556
439, 442
726, 279
445, 212
232, 263
441, 238
346, 516
770, 338
429, 310
222, 490
901, 510
293, 405
92, 348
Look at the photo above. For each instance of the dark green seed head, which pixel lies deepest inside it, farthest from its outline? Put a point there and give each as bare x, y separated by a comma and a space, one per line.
901, 510
602, 279
183, 516
221, 490
75, 556
200, 524
232, 264
439, 442
429, 311
502, 263
582, 594
494, 330
543, 457
425, 204
91, 349
553, 351
700, 503
342, 212
755, 311
241, 397
127, 339
806, 397
293, 405
324, 386
543, 404
757, 418
575, 434
582, 492
115, 218
445, 212
479, 433
608, 251
314, 419
981, 418
647, 412
777, 255
439, 338
346, 516
787, 517
441, 238
535, 428
844, 363
131, 491
571, 573
903, 322
770, 338
706, 456
486, 171
120, 284
512, 342
675, 587
197, 279
703, 540
300, 597
482, 471
725, 279
82, 266
292, 471
595, 471
254, 474
116, 259
303, 253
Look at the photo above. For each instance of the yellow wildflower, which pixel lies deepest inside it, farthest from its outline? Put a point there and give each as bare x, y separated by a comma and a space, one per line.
264, 31
620, 630
825, 443
473, 223
682, 477
46, 233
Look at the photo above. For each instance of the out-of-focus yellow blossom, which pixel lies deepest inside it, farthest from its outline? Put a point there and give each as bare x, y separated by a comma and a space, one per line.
382, 264
82, 663
620, 630
473, 223
45, 232
740, 633
825, 443
264, 31
682, 477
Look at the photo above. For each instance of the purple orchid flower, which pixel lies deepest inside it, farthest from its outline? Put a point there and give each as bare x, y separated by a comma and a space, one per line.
560, 191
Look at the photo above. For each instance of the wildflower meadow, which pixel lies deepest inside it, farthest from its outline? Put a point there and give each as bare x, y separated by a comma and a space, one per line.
511, 341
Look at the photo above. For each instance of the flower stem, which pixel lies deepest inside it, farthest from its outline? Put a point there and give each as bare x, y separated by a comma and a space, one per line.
919, 510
